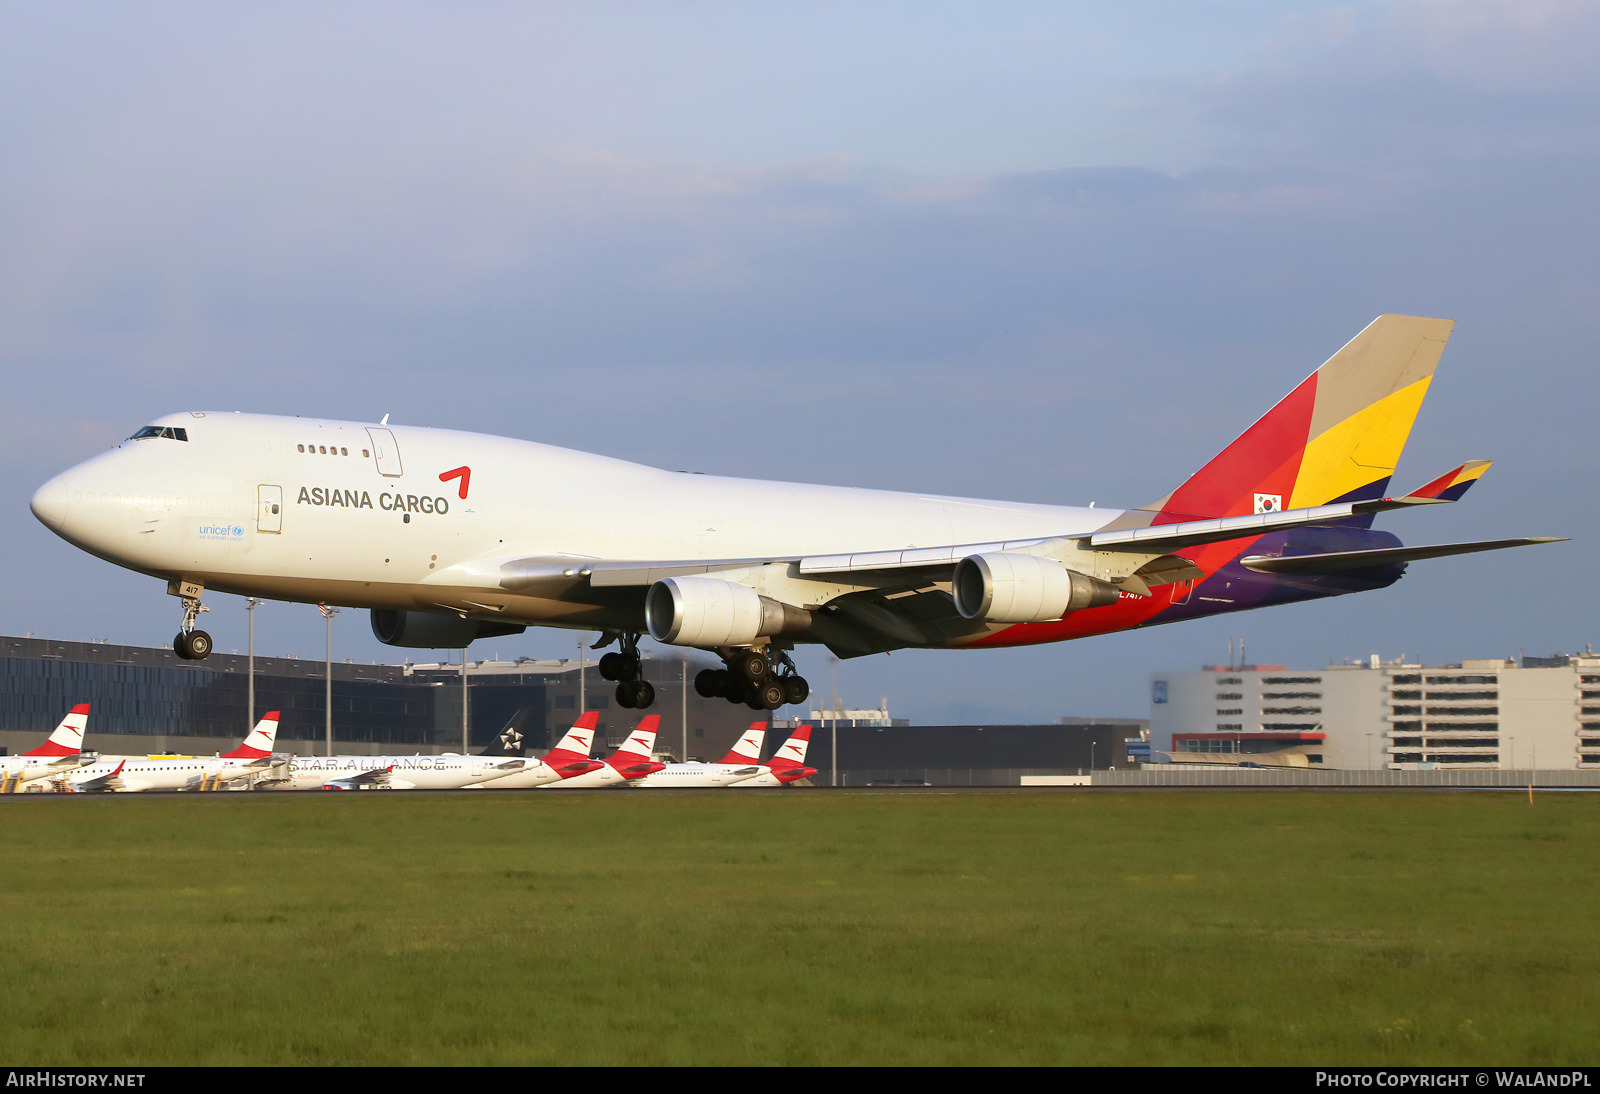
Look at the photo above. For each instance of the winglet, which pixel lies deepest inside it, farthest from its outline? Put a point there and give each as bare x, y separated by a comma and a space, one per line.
260, 740
67, 738
1452, 484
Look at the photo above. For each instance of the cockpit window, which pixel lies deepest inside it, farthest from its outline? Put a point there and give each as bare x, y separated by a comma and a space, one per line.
171, 433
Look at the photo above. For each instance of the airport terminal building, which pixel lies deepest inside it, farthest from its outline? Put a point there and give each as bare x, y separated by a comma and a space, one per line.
1541, 712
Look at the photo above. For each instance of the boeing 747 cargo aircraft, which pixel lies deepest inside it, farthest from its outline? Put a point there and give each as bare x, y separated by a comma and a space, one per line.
448, 537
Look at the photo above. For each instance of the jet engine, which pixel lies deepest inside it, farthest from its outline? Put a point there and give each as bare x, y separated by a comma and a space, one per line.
1013, 588
704, 611
433, 630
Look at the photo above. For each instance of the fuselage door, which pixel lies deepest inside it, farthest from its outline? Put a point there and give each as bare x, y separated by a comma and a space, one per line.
385, 451
269, 508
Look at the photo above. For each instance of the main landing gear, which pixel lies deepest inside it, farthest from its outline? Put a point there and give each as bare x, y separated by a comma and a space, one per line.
753, 678
633, 691
191, 644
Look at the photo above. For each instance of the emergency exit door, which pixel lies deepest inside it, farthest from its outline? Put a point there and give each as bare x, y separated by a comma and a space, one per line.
385, 452
269, 508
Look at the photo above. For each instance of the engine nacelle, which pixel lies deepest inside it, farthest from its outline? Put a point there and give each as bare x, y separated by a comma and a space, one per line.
1013, 588
705, 611
433, 630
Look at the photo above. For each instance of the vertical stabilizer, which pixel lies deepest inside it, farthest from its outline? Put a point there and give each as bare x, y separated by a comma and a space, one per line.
793, 751
747, 750
578, 741
67, 738
1336, 437
640, 743
260, 740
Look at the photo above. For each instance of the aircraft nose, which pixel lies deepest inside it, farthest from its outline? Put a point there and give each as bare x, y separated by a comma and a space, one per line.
50, 504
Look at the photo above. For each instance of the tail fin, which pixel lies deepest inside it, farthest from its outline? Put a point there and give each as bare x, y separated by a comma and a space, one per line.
748, 748
1336, 437
578, 741
67, 739
259, 741
793, 752
640, 743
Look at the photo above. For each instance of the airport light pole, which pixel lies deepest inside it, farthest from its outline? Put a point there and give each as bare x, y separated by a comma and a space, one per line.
327, 694
683, 670
251, 603
465, 706
583, 693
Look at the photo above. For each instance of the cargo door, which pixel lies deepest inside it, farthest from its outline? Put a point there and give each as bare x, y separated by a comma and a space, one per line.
269, 509
385, 452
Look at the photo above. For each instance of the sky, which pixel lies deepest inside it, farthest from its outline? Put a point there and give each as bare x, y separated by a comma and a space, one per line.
1033, 251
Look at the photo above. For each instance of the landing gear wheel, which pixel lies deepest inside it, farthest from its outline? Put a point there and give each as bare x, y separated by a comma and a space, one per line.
795, 689
625, 695
644, 694
610, 666
770, 695
706, 684
180, 646
751, 665
199, 644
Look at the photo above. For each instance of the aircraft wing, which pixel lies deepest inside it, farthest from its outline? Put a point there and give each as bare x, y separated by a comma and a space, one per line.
100, 784
1335, 561
376, 777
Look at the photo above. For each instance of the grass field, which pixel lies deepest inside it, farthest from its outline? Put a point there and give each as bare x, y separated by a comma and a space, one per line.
801, 927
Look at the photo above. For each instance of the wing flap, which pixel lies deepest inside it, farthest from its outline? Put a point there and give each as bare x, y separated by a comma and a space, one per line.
1335, 561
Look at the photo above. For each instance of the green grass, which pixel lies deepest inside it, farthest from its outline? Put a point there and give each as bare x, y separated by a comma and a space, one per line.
801, 928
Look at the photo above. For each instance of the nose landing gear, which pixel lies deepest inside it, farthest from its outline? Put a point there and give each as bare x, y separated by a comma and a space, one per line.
633, 691
191, 644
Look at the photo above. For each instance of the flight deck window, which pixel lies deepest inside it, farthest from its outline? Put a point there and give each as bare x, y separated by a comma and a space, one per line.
301, 447
169, 432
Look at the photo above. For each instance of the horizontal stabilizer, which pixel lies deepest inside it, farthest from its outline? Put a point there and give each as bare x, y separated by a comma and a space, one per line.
1452, 484
1335, 561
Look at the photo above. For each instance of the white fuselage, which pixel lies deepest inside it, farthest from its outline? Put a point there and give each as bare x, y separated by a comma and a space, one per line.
533, 773
369, 516
700, 775
26, 769
178, 773
447, 772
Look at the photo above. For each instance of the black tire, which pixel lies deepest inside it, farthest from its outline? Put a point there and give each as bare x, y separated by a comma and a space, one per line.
752, 665
755, 704
180, 646
610, 666
730, 686
770, 695
795, 689
625, 695
627, 666
644, 694
705, 684
199, 645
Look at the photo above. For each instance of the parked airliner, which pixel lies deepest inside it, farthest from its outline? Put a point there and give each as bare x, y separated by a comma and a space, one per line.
569, 759
59, 754
785, 766
631, 760
128, 774
449, 537
743, 761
